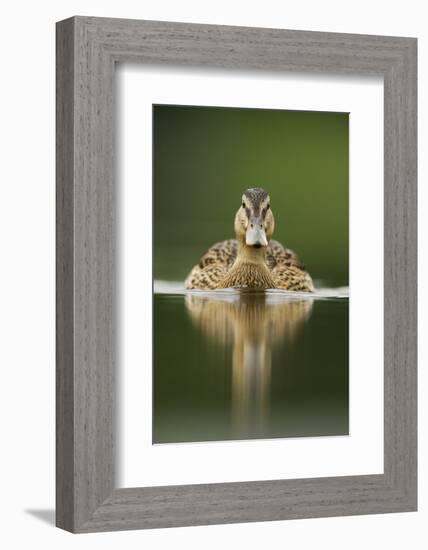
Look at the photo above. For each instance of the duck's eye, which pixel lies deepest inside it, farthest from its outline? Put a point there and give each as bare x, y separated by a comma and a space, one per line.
267, 207
243, 205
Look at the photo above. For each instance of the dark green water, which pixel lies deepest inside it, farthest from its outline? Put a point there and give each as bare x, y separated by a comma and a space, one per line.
244, 366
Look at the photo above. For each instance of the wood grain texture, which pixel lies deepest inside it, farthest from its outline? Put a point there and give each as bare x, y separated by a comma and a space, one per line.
87, 50
64, 277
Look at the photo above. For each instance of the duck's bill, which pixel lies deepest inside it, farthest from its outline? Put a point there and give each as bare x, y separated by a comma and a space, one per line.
256, 237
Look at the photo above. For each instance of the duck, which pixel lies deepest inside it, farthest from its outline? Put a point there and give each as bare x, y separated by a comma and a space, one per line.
253, 260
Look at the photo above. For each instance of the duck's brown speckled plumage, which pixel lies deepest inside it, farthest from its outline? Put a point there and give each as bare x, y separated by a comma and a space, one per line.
233, 263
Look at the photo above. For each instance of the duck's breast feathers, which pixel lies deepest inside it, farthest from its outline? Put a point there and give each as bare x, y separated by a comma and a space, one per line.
283, 269
223, 253
279, 255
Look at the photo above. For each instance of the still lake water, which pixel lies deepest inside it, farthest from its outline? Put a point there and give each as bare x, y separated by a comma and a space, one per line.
249, 365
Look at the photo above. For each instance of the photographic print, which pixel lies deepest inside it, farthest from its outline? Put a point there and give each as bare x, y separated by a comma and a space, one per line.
251, 252
205, 199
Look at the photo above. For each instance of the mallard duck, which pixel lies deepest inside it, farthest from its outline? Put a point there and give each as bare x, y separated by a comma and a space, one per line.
253, 259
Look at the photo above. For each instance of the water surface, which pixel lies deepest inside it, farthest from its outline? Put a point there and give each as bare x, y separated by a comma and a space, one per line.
243, 365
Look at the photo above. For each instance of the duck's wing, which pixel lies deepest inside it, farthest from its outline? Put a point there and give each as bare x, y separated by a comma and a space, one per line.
223, 253
278, 255
290, 277
286, 269
213, 265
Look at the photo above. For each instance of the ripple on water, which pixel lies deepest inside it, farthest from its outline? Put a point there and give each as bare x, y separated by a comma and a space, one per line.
321, 292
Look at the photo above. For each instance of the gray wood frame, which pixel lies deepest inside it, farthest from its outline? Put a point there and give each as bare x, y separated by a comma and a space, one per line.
87, 50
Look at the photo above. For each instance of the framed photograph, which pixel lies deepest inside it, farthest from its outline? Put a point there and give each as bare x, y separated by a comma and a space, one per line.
236, 274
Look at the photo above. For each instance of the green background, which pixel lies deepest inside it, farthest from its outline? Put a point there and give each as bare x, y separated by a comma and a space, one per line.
205, 157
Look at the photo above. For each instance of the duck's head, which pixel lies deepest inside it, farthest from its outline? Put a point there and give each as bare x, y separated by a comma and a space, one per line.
254, 222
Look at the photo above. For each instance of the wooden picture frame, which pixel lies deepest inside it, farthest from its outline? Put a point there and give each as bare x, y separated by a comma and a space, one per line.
87, 50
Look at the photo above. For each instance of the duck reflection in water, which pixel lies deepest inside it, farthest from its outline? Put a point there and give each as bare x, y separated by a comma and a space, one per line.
251, 323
